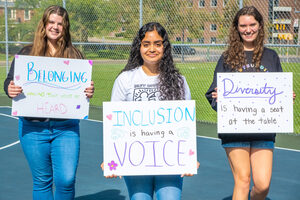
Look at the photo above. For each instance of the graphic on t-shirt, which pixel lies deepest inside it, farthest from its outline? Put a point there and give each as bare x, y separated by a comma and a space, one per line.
252, 68
145, 92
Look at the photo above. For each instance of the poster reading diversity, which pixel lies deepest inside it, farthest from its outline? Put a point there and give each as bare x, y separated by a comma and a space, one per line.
52, 87
255, 102
149, 138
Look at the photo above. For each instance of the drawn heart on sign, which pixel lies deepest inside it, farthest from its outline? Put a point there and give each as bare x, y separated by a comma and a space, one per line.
191, 152
67, 62
15, 113
17, 77
109, 116
91, 62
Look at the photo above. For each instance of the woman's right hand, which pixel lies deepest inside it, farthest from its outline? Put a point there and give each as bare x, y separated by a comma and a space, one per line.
111, 176
14, 90
215, 94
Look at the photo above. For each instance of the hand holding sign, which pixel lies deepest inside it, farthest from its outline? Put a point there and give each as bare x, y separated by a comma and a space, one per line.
14, 90
89, 92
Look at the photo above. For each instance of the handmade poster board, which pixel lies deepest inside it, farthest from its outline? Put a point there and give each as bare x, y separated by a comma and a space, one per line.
255, 102
52, 87
149, 138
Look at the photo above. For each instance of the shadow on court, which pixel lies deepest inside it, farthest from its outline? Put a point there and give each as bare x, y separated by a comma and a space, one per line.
108, 194
230, 198
214, 180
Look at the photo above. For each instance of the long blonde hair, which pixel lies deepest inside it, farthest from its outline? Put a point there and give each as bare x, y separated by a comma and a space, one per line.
65, 48
234, 55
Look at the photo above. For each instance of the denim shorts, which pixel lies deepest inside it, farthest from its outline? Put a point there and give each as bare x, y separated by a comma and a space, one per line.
260, 144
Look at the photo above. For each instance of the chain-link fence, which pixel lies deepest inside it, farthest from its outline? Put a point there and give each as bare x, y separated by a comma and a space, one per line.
103, 30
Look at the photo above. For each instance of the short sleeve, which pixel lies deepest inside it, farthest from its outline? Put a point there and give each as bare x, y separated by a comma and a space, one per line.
119, 90
187, 92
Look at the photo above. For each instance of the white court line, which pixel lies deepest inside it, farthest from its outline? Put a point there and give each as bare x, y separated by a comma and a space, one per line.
9, 145
5, 106
14, 143
5, 115
93, 120
211, 138
287, 149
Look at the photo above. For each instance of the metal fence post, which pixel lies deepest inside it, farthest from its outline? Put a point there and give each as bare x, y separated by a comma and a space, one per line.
6, 37
241, 4
64, 4
141, 13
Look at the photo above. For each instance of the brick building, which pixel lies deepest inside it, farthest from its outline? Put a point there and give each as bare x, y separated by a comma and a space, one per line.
17, 15
281, 19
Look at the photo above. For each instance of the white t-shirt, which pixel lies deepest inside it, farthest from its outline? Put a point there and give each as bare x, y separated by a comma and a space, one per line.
136, 85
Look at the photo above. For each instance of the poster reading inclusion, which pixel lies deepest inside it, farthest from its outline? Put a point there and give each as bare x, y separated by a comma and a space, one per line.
255, 102
52, 87
149, 138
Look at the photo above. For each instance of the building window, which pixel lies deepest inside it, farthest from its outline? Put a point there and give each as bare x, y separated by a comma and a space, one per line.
201, 40
12, 14
178, 39
270, 39
190, 3
27, 14
225, 2
213, 40
213, 27
189, 39
213, 3
201, 3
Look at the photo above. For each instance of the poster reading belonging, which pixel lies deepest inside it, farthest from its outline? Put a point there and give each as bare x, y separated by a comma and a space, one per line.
149, 138
255, 102
52, 87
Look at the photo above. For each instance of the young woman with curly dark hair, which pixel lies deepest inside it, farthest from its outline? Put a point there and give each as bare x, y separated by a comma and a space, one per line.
246, 152
171, 83
150, 75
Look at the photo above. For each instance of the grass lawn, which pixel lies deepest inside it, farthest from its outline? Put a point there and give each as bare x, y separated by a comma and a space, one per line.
199, 77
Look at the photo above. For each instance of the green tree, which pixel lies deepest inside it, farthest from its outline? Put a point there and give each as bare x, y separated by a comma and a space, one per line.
179, 17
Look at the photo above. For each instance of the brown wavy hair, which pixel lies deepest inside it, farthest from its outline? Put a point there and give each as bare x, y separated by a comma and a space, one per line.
65, 48
235, 56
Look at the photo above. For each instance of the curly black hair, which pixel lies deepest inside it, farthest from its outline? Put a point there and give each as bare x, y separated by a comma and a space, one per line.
170, 80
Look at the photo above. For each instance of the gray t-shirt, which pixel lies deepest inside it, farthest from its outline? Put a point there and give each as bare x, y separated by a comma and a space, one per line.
136, 85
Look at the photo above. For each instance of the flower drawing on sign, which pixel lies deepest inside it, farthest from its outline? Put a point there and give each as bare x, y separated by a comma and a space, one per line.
112, 165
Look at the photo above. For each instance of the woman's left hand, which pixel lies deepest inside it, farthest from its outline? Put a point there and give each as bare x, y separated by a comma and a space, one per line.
294, 96
198, 165
89, 92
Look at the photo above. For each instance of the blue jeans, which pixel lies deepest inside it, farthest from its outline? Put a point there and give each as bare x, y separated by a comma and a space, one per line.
52, 151
166, 187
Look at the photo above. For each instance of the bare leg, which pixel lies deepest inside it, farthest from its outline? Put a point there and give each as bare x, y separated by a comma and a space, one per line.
261, 161
239, 160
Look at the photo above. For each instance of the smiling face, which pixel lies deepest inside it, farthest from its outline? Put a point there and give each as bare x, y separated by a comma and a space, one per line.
152, 49
248, 29
54, 28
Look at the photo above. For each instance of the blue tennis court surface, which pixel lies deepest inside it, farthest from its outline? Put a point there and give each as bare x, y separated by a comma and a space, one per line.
213, 182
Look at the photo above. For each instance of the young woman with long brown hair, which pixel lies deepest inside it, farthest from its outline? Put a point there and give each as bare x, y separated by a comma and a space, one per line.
247, 152
51, 146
